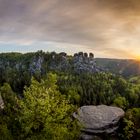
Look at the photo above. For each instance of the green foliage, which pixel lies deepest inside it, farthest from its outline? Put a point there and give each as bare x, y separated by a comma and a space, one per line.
121, 102
45, 113
9, 113
132, 125
4, 132
127, 68
43, 109
94, 89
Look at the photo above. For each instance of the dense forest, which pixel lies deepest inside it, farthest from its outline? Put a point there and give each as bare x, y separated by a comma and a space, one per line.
40, 91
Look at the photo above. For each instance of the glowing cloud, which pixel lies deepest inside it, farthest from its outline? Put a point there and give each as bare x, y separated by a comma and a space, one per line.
108, 28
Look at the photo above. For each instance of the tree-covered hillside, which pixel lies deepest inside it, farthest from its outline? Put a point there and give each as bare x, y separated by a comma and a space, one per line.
124, 67
39, 92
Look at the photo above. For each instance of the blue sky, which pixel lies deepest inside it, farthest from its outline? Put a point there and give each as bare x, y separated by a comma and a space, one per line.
45, 46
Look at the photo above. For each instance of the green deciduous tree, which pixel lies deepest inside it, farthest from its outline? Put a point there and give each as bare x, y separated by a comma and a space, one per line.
121, 102
132, 125
45, 113
8, 120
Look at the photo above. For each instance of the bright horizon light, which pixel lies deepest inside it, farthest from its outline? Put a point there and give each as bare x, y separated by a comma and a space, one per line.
107, 28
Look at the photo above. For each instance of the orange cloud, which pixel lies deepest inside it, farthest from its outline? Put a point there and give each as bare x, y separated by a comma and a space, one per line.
107, 27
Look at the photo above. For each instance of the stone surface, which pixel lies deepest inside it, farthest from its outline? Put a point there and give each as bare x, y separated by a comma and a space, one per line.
79, 63
39, 63
84, 63
89, 137
36, 64
99, 119
1, 103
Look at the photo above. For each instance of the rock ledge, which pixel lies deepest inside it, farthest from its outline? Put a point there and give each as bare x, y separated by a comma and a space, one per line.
99, 119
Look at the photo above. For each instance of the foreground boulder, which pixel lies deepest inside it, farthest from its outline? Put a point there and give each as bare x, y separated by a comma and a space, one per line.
100, 119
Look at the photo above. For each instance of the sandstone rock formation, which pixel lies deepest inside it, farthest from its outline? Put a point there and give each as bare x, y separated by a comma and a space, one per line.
39, 63
1, 103
84, 63
80, 62
36, 64
100, 119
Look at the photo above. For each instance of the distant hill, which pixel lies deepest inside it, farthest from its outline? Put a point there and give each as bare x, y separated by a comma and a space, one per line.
41, 62
124, 67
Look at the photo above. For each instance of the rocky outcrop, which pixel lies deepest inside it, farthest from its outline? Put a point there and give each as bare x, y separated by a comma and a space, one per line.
100, 119
59, 62
1, 103
40, 63
85, 136
80, 62
84, 63
36, 64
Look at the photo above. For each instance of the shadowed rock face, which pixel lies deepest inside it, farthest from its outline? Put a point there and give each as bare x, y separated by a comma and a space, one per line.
1, 103
84, 63
99, 119
40, 63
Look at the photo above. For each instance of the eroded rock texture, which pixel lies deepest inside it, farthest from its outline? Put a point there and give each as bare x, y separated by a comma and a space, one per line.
100, 119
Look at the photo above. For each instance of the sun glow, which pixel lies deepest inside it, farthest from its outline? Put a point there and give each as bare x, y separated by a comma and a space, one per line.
137, 57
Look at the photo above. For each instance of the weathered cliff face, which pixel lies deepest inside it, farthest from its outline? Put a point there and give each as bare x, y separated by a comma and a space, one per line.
98, 120
59, 62
80, 62
1, 103
36, 64
84, 63
42, 62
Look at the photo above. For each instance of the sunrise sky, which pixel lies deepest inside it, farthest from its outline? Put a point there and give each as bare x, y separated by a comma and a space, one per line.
108, 28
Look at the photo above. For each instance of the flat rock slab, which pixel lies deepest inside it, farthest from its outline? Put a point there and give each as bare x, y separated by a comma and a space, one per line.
99, 119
